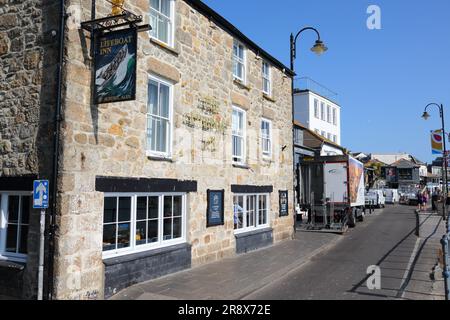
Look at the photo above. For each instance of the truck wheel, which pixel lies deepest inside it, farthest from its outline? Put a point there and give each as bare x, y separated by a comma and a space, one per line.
351, 219
361, 216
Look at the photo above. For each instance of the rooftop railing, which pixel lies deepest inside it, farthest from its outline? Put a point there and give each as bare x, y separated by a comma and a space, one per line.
306, 83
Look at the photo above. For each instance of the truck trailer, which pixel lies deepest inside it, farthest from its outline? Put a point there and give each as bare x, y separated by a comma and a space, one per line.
333, 192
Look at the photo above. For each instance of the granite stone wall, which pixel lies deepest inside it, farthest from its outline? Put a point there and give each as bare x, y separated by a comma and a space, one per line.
28, 60
110, 140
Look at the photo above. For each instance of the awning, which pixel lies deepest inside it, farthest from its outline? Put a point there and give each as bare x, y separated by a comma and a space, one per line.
305, 152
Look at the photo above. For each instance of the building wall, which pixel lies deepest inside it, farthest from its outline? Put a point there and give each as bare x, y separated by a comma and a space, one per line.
109, 140
28, 61
304, 113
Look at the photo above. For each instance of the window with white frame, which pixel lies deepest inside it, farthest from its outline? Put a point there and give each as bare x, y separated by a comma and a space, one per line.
266, 137
334, 116
15, 211
162, 20
159, 117
329, 136
334, 138
239, 61
238, 135
322, 110
324, 134
251, 211
267, 82
329, 114
317, 131
137, 222
316, 109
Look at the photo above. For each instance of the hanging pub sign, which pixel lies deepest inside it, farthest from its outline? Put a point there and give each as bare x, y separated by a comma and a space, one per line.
284, 204
215, 211
115, 66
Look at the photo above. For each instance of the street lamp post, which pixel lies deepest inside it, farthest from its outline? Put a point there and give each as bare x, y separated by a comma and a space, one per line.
446, 238
318, 48
426, 116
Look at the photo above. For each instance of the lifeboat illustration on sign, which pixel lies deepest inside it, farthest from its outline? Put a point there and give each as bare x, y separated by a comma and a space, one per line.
110, 78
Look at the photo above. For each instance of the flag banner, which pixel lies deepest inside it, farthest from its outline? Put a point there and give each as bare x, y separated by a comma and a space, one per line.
437, 142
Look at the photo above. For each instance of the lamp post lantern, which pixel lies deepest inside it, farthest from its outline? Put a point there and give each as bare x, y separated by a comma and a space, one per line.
319, 48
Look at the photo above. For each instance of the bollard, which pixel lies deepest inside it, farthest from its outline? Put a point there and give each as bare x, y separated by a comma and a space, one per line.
446, 272
417, 224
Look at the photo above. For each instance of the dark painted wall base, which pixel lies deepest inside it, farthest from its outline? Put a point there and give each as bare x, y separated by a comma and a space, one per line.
11, 279
126, 271
254, 240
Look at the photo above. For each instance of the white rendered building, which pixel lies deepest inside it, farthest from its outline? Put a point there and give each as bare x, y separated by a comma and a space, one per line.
319, 114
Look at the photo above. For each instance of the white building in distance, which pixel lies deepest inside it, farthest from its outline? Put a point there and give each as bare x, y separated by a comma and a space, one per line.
316, 111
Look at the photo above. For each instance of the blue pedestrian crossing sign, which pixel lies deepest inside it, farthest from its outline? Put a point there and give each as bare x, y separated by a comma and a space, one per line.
40, 194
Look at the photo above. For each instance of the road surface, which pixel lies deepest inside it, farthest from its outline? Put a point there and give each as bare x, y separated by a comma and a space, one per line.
386, 239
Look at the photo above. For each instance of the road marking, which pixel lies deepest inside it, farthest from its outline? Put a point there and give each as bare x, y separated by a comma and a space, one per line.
411, 261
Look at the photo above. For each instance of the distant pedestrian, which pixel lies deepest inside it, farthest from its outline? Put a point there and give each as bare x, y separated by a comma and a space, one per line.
419, 201
434, 200
425, 200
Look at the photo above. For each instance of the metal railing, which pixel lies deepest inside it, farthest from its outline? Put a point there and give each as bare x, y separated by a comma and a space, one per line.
305, 83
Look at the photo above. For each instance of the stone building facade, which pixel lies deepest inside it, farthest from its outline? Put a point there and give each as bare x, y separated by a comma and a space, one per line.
212, 112
28, 62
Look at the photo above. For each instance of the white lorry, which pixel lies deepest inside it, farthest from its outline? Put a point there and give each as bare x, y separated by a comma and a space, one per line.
336, 185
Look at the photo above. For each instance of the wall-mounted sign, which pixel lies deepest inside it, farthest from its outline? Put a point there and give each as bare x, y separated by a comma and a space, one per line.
215, 210
115, 66
207, 116
284, 203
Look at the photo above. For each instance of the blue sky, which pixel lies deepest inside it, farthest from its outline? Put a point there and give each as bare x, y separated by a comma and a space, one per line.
384, 78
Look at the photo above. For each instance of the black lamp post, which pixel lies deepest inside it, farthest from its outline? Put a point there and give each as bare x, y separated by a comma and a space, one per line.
318, 48
426, 116
446, 238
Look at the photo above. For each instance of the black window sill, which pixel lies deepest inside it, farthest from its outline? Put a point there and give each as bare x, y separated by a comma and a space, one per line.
153, 158
145, 254
252, 233
241, 166
269, 98
18, 266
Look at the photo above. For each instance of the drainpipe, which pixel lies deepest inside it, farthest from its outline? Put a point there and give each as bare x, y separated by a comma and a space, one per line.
56, 146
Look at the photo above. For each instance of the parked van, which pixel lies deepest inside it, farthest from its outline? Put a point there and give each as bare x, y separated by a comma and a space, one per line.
376, 198
392, 196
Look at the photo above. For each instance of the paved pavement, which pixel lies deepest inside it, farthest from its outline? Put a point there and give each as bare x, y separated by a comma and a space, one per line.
234, 278
319, 266
386, 239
